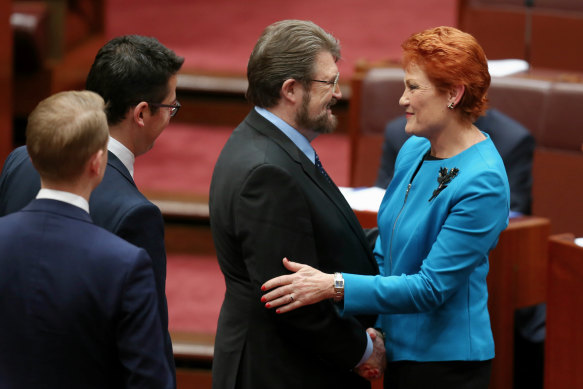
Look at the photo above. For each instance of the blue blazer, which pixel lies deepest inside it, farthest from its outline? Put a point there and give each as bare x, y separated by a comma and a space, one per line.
432, 252
116, 205
78, 305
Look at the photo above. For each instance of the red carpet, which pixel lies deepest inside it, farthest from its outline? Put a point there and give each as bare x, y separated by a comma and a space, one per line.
218, 36
194, 289
184, 156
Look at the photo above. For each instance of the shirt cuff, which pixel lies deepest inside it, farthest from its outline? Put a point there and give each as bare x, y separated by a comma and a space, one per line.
367, 352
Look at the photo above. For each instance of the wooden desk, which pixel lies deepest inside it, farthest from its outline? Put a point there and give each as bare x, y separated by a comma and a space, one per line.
564, 341
193, 353
517, 278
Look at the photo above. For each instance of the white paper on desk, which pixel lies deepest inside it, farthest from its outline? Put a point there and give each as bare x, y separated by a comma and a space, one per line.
579, 241
506, 67
363, 199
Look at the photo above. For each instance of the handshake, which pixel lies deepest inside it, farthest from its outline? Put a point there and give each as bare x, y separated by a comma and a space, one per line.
375, 365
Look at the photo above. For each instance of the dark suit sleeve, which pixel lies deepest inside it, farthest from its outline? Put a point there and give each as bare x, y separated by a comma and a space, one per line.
371, 235
143, 226
274, 220
141, 349
4, 182
518, 163
19, 182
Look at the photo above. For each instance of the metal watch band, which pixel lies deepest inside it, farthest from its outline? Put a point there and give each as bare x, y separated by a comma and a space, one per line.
338, 287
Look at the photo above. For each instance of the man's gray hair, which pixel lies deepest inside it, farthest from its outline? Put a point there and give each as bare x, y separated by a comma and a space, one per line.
286, 49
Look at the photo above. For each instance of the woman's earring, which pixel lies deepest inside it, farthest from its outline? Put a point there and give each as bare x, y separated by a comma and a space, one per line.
450, 106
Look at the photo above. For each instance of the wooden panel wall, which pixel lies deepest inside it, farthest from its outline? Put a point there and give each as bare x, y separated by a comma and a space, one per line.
5, 80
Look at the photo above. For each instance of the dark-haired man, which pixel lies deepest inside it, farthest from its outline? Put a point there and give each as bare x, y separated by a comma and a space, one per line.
79, 304
136, 76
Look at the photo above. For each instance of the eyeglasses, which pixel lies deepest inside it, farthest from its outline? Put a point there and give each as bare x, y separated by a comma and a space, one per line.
173, 108
333, 83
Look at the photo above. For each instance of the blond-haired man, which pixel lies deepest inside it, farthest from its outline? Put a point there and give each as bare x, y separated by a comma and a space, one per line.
78, 303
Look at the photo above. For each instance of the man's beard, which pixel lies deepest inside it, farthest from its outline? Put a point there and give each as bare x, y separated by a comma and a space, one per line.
321, 124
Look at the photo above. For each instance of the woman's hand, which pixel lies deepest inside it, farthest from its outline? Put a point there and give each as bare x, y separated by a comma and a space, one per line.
305, 286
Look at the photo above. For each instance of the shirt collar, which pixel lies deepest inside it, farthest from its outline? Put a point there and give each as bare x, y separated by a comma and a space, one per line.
294, 135
123, 153
66, 197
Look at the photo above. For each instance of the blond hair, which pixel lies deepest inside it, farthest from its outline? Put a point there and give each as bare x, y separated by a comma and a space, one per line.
64, 131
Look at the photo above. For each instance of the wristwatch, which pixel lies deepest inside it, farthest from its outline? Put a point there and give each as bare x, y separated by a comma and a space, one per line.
338, 287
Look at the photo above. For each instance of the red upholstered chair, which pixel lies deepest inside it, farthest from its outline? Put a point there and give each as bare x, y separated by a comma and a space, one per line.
374, 101
543, 32
563, 122
494, 21
558, 161
522, 99
559, 5
554, 35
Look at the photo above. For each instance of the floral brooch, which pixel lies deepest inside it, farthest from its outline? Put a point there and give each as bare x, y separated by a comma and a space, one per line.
443, 179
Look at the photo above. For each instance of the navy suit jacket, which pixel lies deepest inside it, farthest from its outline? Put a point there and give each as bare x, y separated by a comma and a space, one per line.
267, 201
78, 305
513, 141
116, 205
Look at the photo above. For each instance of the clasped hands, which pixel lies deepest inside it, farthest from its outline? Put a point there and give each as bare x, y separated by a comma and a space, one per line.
375, 365
307, 285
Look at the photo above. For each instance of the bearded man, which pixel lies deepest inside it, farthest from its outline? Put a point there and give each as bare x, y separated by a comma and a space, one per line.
270, 198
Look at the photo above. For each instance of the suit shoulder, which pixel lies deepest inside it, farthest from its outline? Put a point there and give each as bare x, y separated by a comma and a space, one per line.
415, 145
112, 244
16, 158
116, 204
116, 190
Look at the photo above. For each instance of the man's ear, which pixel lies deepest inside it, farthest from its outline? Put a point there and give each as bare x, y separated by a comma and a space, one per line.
290, 90
96, 162
139, 112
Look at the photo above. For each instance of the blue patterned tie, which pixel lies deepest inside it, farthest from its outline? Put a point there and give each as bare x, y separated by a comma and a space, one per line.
321, 169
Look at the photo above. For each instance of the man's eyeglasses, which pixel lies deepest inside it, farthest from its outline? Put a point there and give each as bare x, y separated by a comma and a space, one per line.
333, 83
173, 108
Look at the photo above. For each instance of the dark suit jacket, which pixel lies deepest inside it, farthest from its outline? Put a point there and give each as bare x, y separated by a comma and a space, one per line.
116, 205
78, 305
268, 201
513, 141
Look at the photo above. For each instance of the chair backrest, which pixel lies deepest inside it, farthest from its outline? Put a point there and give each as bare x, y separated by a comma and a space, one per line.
559, 5
381, 90
522, 99
374, 101
562, 124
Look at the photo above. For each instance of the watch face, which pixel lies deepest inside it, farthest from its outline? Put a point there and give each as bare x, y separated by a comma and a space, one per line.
338, 281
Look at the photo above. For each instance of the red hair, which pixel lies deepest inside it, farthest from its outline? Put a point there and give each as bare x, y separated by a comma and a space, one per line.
452, 57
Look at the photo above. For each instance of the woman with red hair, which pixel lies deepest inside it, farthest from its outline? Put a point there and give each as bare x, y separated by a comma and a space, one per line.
441, 215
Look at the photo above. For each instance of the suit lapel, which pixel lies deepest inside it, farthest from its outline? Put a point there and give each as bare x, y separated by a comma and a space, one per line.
114, 162
330, 189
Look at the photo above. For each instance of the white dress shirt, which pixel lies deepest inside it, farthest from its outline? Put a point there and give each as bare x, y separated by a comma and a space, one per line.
66, 197
123, 153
